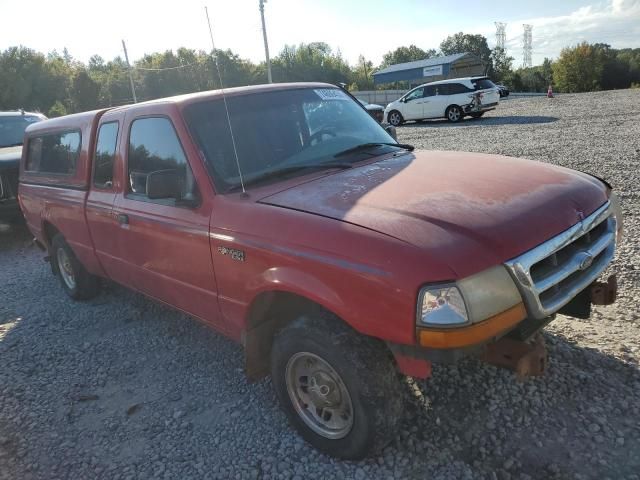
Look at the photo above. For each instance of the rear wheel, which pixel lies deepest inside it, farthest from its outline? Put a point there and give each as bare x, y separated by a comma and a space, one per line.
76, 281
338, 388
395, 118
454, 114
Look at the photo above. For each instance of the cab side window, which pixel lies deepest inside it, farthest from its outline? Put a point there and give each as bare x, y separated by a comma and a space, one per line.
54, 153
105, 155
156, 155
430, 91
417, 93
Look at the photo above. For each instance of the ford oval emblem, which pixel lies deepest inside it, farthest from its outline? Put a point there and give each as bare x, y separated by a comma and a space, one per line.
586, 259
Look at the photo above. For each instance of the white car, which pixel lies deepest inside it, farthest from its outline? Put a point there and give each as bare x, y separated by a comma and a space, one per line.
451, 99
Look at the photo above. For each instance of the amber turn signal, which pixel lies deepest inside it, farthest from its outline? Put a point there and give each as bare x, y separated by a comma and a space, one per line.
473, 334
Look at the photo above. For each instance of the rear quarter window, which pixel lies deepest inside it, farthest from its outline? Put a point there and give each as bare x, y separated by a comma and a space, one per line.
55, 153
456, 88
483, 83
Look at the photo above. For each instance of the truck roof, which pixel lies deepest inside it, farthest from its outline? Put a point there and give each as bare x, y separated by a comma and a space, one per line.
230, 92
75, 120
79, 120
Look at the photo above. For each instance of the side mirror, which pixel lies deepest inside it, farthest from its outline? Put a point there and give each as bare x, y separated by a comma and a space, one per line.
391, 130
165, 184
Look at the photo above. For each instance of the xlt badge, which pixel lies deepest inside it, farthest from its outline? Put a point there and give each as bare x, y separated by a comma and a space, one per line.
235, 254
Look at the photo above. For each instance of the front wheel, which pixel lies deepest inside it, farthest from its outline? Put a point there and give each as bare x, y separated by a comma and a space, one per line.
76, 281
395, 118
454, 114
338, 388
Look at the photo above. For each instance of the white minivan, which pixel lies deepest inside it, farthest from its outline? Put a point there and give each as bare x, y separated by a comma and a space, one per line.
451, 99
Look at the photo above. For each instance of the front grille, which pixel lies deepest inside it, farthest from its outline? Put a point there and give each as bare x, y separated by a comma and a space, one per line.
552, 274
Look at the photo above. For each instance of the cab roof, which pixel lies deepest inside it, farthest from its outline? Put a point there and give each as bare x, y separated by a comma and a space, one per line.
80, 120
189, 98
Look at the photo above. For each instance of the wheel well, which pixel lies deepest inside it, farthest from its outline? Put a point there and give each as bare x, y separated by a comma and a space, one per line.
269, 313
49, 232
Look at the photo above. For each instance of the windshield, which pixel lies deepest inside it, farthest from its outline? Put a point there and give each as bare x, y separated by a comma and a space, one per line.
281, 130
12, 129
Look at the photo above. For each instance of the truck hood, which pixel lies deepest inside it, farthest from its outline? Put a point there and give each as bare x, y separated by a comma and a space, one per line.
10, 156
469, 210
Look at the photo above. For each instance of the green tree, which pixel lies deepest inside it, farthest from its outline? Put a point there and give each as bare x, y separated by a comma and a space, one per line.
310, 62
57, 110
579, 68
502, 64
85, 92
406, 54
464, 42
362, 74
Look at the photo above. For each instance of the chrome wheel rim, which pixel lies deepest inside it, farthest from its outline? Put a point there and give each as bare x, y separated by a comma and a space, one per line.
319, 395
394, 119
65, 268
454, 114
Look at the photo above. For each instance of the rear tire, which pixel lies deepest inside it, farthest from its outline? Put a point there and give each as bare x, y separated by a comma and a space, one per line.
338, 388
76, 281
395, 118
454, 113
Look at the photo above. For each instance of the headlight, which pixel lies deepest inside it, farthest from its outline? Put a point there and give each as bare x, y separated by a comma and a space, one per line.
442, 305
470, 300
616, 209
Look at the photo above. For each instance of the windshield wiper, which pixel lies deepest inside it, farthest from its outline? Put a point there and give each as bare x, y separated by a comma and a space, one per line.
291, 169
366, 146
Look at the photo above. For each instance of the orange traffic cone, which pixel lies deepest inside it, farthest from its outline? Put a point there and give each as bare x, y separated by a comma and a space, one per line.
550, 92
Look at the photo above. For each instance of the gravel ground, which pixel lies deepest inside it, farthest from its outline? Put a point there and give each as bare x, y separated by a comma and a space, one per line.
121, 387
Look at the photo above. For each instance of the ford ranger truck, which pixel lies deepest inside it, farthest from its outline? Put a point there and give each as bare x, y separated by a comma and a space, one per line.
288, 219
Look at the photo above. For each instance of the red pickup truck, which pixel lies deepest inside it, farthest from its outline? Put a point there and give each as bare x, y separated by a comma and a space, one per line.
287, 218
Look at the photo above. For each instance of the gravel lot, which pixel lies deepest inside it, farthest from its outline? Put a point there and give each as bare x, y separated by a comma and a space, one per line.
121, 387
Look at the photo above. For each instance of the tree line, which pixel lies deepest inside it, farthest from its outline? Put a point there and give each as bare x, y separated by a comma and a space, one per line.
57, 84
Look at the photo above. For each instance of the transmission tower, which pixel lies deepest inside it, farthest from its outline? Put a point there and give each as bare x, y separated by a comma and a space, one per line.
501, 34
526, 45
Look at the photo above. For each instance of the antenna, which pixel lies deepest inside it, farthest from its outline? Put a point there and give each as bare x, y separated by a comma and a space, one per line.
501, 34
224, 99
527, 45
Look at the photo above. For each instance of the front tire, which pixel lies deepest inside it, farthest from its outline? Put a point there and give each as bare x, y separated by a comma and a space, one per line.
76, 281
338, 388
454, 114
395, 118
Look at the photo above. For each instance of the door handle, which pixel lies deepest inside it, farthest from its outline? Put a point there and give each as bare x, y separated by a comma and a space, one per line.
123, 219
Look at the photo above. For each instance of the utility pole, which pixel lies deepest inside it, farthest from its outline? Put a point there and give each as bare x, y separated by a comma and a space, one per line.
126, 57
527, 47
266, 44
501, 34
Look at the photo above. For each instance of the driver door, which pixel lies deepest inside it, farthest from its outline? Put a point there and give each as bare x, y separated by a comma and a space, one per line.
414, 104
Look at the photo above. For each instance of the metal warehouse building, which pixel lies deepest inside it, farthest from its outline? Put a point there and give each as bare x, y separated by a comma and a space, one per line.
432, 69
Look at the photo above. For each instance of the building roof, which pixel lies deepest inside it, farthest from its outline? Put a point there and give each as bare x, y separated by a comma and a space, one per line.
428, 62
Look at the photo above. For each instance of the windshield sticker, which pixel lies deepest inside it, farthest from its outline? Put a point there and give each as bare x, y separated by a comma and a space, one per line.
331, 94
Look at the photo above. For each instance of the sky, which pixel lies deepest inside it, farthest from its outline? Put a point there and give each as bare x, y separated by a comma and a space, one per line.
355, 27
